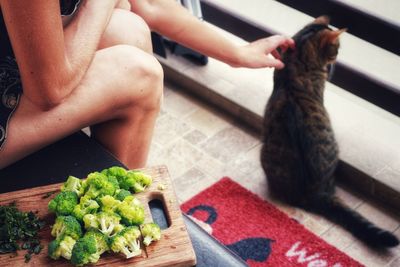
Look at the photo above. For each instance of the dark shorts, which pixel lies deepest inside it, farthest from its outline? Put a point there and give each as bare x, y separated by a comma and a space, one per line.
10, 92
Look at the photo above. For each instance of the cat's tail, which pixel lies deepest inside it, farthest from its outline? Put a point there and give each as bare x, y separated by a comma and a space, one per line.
334, 210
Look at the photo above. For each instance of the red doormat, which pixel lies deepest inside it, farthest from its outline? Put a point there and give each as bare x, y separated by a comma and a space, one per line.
258, 232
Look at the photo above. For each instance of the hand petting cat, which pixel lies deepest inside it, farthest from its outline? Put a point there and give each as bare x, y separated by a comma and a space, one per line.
263, 52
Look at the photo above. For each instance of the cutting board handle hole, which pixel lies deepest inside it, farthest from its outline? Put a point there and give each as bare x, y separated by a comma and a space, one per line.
158, 213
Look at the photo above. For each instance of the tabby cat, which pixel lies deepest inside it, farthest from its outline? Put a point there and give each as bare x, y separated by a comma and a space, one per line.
299, 153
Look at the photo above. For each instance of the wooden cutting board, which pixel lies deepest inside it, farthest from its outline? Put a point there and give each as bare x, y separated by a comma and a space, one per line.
174, 248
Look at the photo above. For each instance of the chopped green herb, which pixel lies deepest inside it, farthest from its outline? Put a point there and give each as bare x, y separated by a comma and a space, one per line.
37, 249
26, 245
28, 257
18, 230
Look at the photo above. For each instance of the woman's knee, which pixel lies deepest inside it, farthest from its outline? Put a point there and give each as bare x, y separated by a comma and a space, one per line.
143, 72
154, 84
127, 28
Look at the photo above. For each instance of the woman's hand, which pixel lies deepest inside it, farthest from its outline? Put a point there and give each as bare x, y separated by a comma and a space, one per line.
263, 52
181, 26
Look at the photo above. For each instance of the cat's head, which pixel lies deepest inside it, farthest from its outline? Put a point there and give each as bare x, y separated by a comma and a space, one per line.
317, 44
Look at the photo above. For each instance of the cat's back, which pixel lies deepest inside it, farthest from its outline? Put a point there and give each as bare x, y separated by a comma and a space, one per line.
279, 150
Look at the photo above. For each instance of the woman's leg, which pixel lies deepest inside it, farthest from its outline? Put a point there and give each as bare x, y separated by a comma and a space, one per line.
120, 95
128, 28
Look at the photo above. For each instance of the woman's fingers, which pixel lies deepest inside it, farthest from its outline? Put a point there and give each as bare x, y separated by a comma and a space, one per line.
274, 63
264, 52
276, 54
275, 41
272, 44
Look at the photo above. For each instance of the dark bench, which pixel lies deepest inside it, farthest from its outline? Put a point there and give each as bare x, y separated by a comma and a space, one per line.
75, 155
79, 155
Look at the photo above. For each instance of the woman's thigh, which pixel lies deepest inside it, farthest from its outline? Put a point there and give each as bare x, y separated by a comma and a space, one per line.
128, 28
119, 77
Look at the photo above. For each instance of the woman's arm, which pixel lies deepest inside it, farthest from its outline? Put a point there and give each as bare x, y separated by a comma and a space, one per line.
172, 20
53, 60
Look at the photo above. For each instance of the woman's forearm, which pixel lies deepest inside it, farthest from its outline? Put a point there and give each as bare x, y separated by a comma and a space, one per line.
172, 20
82, 35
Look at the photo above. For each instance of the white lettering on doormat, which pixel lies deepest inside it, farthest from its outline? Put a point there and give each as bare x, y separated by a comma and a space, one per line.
302, 257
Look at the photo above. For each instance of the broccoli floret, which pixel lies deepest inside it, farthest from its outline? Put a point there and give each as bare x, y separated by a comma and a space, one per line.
132, 180
73, 184
86, 206
109, 203
85, 251
84, 185
131, 211
126, 181
90, 221
151, 232
135, 185
142, 180
63, 203
101, 240
135, 181
89, 248
106, 222
66, 225
127, 242
61, 247
117, 228
98, 185
120, 174
121, 194
117, 172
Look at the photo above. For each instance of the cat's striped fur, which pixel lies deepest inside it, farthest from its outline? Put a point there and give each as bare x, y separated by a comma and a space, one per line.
299, 153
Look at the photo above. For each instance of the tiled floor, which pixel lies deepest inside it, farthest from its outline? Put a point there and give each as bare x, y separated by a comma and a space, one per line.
200, 145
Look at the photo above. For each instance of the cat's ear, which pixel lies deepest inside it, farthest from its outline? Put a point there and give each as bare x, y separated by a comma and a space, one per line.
324, 20
331, 37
